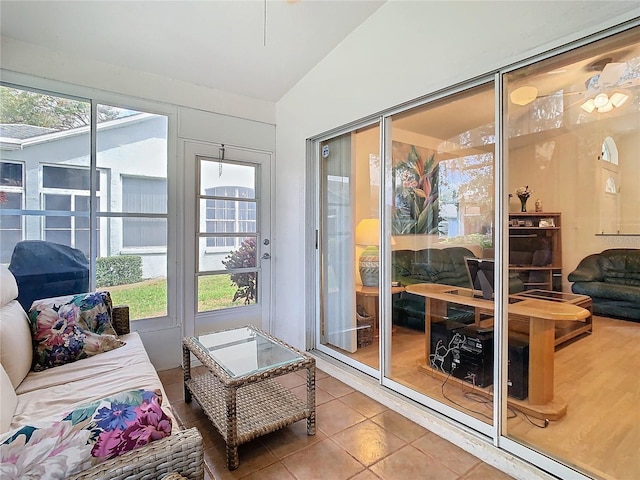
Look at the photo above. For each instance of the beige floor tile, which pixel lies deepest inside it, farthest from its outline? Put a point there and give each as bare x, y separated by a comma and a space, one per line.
446, 452
322, 396
334, 386
363, 404
291, 439
409, 463
367, 475
399, 425
173, 375
322, 461
277, 471
363, 432
484, 471
334, 416
292, 380
368, 442
254, 456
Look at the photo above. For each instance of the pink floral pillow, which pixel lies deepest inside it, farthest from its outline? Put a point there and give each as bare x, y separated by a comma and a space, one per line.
84, 437
66, 329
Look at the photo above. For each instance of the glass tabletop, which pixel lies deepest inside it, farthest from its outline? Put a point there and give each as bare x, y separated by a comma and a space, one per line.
245, 351
548, 295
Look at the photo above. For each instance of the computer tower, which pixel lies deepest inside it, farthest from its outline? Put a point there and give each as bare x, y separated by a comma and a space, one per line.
518, 371
444, 348
475, 361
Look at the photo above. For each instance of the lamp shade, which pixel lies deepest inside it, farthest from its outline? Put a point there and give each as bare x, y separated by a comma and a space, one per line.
368, 232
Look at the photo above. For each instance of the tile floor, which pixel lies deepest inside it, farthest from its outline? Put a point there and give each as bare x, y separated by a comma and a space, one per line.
356, 438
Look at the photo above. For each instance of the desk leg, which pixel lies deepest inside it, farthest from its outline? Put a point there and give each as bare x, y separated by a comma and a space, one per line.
541, 345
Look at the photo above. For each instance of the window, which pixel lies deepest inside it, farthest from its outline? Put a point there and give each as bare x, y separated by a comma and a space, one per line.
227, 216
144, 195
50, 186
66, 193
11, 192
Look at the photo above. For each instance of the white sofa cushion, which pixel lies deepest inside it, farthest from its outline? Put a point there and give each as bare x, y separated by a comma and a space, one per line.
57, 390
8, 401
16, 349
8, 286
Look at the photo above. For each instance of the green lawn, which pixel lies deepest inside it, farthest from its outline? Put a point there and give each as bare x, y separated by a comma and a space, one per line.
148, 299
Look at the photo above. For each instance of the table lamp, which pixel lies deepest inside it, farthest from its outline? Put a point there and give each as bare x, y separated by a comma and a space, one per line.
368, 235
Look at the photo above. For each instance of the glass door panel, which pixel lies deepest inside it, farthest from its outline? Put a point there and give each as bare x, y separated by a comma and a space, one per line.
349, 240
573, 126
228, 271
442, 213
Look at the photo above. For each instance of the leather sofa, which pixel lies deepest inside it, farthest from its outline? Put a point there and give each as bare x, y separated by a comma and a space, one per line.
444, 266
612, 280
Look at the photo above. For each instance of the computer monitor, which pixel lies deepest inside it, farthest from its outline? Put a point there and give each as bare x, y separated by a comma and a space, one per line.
480, 271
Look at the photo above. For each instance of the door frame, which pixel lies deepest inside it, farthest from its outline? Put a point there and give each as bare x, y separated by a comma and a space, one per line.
257, 314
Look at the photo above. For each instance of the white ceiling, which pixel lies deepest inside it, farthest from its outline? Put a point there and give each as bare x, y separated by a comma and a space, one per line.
226, 45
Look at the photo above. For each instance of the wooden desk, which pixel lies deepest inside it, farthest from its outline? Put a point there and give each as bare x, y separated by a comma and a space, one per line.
368, 297
542, 314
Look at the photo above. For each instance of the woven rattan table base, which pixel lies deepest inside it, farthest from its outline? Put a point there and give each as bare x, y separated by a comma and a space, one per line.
243, 408
260, 407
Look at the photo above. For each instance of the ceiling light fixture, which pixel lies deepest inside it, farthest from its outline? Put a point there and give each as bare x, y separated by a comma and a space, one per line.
524, 95
604, 103
601, 100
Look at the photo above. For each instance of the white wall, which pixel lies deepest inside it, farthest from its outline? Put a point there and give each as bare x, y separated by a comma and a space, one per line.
403, 51
22, 57
236, 121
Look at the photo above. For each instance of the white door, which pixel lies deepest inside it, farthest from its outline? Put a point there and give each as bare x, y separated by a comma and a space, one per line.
228, 244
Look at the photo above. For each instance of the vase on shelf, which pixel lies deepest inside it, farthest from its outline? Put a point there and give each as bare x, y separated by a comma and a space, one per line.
523, 203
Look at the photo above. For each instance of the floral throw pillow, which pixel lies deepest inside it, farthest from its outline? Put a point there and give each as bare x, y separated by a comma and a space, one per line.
66, 329
84, 437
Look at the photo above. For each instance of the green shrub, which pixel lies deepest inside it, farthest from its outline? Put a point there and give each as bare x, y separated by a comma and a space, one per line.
118, 270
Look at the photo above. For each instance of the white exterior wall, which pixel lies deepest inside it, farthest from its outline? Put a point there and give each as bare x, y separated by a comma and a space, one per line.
403, 51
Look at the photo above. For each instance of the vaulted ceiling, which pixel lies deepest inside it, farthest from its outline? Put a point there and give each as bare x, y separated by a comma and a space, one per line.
256, 48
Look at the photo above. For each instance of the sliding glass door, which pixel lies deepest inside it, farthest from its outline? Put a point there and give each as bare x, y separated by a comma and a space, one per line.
349, 241
573, 141
442, 214
492, 273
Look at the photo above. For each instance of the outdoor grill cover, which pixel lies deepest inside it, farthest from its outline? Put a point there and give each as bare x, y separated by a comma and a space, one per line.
44, 269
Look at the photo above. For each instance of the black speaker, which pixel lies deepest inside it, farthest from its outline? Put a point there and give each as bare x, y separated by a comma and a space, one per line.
475, 362
444, 347
518, 371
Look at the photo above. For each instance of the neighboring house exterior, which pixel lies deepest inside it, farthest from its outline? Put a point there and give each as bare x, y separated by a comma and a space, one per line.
45, 176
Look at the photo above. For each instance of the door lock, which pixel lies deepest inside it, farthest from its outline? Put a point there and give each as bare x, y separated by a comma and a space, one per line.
265, 256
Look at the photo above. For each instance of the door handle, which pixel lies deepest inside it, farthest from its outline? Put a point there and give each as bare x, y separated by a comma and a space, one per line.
265, 256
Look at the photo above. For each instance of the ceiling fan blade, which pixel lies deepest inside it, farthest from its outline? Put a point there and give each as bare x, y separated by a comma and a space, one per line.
611, 73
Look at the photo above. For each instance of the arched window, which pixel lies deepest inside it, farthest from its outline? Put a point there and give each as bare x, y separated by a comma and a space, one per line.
609, 151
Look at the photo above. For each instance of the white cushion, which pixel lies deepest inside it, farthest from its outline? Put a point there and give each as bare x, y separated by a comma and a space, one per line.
8, 401
8, 286
16, 349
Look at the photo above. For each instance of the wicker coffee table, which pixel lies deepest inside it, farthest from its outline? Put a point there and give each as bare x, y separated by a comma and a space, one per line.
239, 392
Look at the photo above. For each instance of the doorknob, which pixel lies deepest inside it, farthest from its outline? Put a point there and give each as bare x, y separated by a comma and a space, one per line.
265, 256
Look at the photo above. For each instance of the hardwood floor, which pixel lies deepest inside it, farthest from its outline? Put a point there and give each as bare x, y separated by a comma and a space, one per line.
598, 376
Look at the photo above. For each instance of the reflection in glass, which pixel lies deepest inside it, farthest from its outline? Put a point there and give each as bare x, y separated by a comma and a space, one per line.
223, 290
443, 212
576, 146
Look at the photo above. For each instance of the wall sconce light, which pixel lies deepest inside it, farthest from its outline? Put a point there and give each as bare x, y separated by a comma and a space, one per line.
524, 95
604, 103
368, 235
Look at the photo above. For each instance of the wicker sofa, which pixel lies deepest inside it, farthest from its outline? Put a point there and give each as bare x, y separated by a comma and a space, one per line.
31, 398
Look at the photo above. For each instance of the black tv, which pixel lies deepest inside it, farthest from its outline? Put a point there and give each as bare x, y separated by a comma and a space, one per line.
481, 277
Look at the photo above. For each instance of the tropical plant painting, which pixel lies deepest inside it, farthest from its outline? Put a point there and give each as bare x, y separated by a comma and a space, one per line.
416, 202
